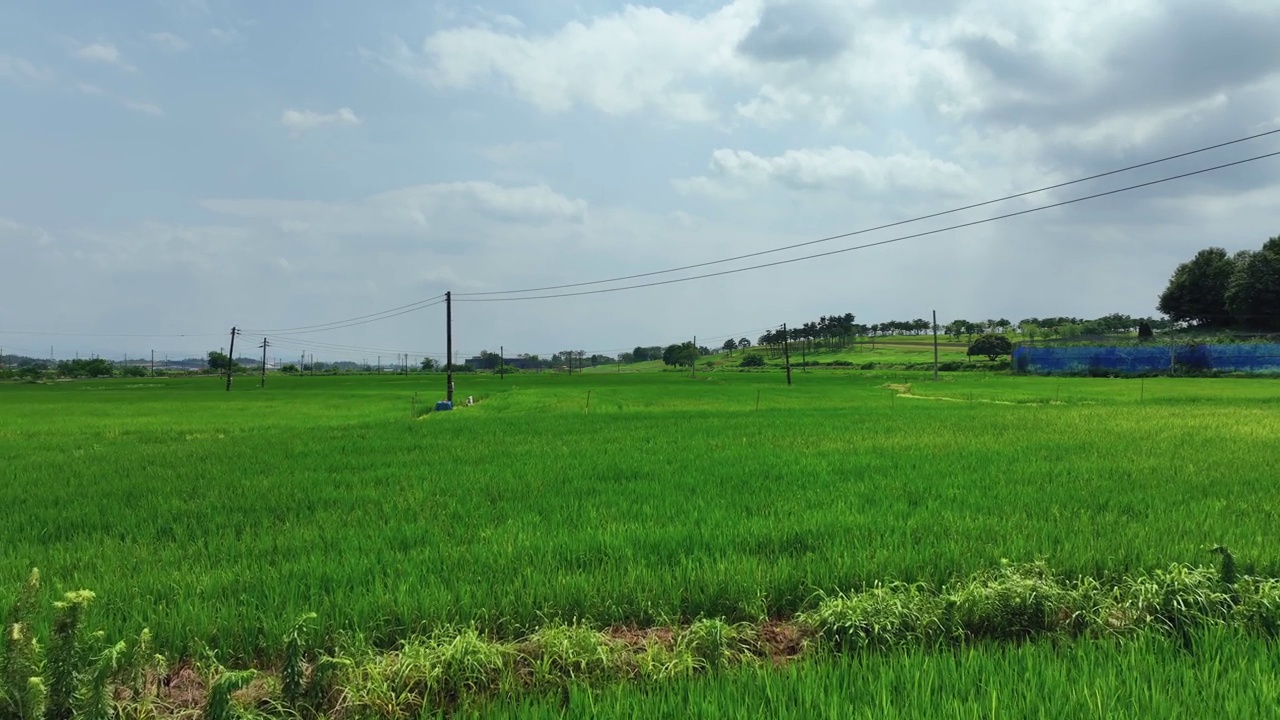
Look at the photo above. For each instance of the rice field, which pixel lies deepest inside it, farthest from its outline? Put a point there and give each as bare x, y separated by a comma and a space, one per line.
639, 500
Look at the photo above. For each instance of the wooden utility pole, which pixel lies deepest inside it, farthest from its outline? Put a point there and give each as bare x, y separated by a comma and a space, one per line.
231, 357
153, 363
935, 346
696, 355
786, 352
263, 383
502, 362
448, 344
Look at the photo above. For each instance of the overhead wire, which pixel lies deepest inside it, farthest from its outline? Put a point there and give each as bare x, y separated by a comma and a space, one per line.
880, 242
413, 307
878, 227
360, 317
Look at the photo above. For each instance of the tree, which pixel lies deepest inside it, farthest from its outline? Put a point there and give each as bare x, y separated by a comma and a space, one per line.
993, 345
1197, 292
1031, 330
1253, 294
744, 343
729, 346
289, 369
219, 361
682, 355
752, 360
428, 364
1144, 330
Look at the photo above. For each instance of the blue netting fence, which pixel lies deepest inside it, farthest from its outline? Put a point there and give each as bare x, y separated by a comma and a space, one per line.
1256, 358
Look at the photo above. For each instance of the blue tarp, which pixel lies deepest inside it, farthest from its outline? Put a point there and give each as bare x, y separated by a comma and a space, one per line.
1259, 358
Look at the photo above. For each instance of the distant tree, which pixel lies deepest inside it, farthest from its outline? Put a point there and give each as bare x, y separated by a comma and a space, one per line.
289, 369
1253, 294
218, 361
30, 372
992, 345
428, 364
682, 355
1031, 330
744, 343
729, 346
133, 371
752, 360
1144, 330
1197, 292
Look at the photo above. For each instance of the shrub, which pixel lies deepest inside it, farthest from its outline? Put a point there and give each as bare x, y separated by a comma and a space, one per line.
752, 360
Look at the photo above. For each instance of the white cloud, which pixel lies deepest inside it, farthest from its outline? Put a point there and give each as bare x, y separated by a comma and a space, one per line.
297, 121
639, 58
168, 41
226, 36
12, 231
406, 212
135, 105
101, 52
514, 152
143, 107
832, 168
20, 70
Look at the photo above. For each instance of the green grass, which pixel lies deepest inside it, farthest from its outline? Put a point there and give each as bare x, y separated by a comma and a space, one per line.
1223, 675
220, 518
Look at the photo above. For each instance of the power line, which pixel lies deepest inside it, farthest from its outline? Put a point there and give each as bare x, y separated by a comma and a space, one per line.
881, 242
412, 307
361, 317
878, 227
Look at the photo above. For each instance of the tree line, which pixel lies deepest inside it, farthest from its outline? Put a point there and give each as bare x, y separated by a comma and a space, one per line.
1216, 289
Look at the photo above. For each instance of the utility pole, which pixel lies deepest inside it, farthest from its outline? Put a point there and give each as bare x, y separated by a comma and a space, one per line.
313, 364
379, 364
786, 352
263, 382
230, 361
448, 344
935, 346
502, 362
153, 363
696, 355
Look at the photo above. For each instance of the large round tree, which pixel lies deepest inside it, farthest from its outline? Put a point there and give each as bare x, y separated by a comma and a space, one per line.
1197, 293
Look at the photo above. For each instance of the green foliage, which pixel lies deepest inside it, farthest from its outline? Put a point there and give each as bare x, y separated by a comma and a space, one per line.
993, 346
134, 371
219, 361
219, 705
1253, 294
682, 355
66, 654
752, 360
86, 368
1197, 292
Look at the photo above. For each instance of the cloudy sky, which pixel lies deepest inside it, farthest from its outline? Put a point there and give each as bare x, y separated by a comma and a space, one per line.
176, 167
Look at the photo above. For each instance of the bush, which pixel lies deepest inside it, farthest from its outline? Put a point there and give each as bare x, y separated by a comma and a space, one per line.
133, 371
752, 360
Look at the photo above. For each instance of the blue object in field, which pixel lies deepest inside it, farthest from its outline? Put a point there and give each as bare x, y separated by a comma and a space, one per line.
444, 405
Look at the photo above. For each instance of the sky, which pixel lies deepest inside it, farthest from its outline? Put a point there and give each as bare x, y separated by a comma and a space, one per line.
172, 168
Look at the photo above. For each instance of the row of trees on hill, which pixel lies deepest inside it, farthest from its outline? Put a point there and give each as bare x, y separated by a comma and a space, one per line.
1219, 290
